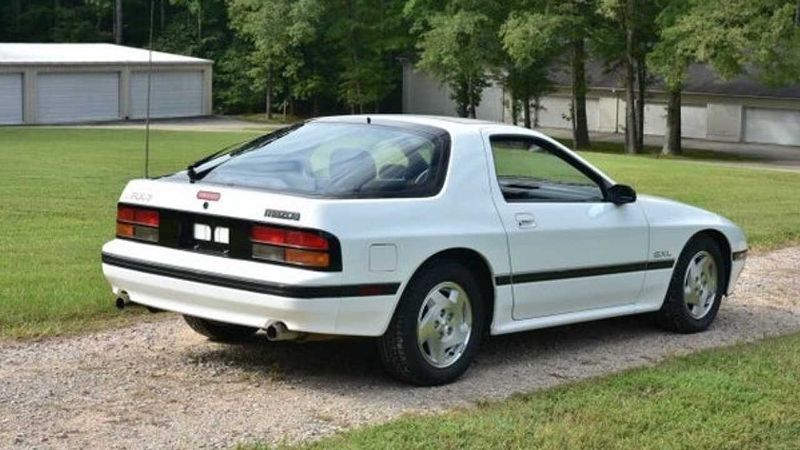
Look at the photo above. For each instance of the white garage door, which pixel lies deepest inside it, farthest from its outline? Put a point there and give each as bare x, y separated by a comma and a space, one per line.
10, 98
693, 120
77, 97
554, 112
172, 94
655, 122
772, 126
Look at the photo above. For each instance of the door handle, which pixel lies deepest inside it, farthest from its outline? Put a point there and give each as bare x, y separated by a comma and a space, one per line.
525, 220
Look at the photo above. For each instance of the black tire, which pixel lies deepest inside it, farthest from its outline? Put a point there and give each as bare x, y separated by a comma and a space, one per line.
675, 314
220, 331
398, 349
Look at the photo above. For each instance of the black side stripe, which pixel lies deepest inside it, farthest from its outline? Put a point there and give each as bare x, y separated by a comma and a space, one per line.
532, 277
246, 284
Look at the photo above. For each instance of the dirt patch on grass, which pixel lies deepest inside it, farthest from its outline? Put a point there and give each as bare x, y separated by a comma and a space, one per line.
157, 384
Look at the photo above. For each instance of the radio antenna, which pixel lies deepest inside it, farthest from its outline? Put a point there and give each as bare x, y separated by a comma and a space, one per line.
149, 87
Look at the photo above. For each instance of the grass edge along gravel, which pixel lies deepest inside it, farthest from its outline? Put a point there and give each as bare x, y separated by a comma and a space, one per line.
743, 396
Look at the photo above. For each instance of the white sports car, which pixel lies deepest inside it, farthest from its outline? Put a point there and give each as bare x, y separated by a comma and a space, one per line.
424, 232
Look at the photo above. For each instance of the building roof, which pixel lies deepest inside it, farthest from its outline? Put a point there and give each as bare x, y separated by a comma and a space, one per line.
81, 54
701, 79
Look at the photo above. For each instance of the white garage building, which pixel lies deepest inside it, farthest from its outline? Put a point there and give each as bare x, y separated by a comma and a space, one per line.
63, 83
740, 110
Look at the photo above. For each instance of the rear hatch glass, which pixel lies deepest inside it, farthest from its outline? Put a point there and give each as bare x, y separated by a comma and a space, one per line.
337, 160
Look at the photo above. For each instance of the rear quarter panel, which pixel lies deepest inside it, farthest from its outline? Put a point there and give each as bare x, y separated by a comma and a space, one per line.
461, 215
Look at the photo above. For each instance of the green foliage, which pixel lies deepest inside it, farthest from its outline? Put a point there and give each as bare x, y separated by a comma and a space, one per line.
235, 91
532, 38
313, 46
265, 25
532, 42
673, 53
758, 37
366, 36
344, 54
458, 48
49, 21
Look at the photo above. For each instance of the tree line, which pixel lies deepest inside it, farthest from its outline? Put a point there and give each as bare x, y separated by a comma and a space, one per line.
344, 55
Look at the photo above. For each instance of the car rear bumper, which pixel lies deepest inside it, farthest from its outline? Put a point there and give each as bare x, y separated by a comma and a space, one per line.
159, 281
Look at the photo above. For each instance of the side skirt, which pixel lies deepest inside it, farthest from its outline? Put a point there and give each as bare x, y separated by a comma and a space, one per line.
536, 323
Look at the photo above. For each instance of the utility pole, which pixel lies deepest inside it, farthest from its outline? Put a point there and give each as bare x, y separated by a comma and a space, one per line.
118, 22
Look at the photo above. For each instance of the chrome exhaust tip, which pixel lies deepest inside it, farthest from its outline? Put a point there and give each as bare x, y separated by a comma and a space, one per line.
277, 331
122, 300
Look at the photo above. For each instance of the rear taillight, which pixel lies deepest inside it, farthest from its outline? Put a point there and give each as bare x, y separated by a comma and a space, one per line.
288, 246
137, 223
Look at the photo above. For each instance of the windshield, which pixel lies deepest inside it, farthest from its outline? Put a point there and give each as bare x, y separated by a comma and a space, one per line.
338, 160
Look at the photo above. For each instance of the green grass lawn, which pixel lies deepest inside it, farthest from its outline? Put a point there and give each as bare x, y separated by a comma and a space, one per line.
58, 194
743, 397
655, 152
766, 203
59, 188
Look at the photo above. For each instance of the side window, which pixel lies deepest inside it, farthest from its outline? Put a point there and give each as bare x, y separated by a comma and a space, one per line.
528, 172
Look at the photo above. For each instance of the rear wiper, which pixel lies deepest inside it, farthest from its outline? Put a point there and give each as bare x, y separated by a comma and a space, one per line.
191, 169
243, 147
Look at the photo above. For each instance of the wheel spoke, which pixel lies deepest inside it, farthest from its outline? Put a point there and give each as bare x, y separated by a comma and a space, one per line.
452, 296
688, 289
692, 269
427, 326
461, 333
439, 299
436, 349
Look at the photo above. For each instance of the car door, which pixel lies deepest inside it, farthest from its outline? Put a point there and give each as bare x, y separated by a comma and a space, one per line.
570, 249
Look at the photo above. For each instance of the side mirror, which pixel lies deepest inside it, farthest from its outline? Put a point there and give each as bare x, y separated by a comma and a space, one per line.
620, 194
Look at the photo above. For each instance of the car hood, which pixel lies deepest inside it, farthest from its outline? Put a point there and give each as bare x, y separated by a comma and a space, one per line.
660, 207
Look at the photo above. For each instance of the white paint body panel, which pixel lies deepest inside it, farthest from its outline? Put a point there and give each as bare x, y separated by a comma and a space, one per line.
569, 236
77, 96
387, 240
564, 236
10, 98
173, 94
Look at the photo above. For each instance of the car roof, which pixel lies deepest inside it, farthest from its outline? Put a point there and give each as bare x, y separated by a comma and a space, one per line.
450, 124
456, 125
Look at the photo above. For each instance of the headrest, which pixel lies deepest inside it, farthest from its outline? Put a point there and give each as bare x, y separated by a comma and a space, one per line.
351, 168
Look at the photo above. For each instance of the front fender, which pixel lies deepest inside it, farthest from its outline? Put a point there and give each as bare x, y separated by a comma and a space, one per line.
672, 224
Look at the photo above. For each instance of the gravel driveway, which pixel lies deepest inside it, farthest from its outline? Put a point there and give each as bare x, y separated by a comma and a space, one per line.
157, 384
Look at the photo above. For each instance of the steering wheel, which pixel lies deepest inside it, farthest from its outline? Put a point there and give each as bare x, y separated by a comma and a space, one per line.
422, 177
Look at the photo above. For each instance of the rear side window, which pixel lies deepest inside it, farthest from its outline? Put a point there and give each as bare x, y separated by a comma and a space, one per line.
338, 160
